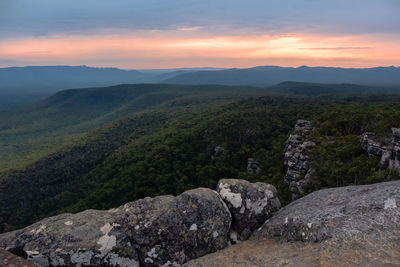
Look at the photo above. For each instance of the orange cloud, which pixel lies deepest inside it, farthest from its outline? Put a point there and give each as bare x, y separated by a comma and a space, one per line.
157, 49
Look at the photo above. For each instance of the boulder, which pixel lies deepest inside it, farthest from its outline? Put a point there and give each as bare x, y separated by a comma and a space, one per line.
249, 203
296, 160
165, 230
350, 226
340, 213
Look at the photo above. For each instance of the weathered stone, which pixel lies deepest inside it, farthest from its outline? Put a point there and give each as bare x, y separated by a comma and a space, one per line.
344, 212
249, 203
149, 232
302, 126
296, 161
369, 144
88, 238
175, 230
391, 157
390, 154
253, 166
353, 226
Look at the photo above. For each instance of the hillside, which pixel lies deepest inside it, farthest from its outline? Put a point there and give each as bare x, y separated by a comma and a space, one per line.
29, 133
184, 144
269, 75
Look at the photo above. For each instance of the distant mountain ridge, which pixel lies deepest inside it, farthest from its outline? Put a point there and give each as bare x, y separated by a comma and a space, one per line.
24, 85
269, 75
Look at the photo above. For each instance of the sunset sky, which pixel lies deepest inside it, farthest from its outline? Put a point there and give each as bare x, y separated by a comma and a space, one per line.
140, 34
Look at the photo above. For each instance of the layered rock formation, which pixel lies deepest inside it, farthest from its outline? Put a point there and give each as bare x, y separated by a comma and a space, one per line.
296, 160
372, 146
160, 231
390, 154
349, 226
250, 205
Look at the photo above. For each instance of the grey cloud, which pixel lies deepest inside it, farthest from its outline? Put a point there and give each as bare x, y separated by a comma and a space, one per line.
43, 17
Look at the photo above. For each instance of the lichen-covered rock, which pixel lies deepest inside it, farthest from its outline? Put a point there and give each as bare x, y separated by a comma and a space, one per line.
168, 230
343, 212
296, 160
391, 156
249, 203
91, 237
149, 232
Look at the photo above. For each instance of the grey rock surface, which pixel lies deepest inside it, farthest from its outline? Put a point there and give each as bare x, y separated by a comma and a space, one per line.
344, 212
391, 156
369, 144
249, 203
150, 232
168, 230
349, 226
296, 160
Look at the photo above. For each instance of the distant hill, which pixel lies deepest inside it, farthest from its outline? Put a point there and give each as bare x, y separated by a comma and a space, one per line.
269, 75
25, 85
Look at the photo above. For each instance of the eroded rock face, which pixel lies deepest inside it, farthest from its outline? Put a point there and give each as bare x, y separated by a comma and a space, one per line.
344, 212
150, 232
390, 154
369, 144
391, 157
249, 203
296, 160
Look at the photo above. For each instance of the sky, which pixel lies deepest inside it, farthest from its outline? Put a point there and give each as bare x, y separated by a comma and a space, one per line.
143, 34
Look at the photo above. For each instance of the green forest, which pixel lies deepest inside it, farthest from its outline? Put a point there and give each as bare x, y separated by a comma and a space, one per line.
169, 146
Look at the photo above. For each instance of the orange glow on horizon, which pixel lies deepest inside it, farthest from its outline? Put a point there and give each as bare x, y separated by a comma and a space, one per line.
160, 50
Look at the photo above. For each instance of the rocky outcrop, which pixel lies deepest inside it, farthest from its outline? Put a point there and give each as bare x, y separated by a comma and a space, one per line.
165, 230
390, 154
249, 203
296, 160
371, 145
349, 226
253, 166
391, 157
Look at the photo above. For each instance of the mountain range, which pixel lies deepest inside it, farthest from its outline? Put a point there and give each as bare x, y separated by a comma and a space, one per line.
23, 85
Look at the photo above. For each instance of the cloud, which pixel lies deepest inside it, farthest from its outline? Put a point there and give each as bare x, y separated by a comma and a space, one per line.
338, 48
49, 17
160, 49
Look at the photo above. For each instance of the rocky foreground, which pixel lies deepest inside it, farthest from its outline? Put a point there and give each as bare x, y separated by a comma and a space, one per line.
357, 225
349, 226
